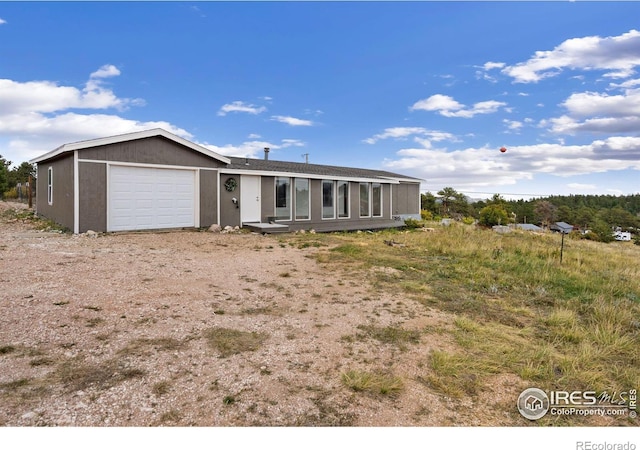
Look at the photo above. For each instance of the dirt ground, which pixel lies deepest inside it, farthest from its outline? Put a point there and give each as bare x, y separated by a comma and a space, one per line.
116, 330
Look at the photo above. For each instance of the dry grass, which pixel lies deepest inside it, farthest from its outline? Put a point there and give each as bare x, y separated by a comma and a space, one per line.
516, 309
227, 341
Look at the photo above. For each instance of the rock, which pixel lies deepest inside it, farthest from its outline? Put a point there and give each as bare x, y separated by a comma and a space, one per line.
91, 234
215, 228
312, 231
29, 415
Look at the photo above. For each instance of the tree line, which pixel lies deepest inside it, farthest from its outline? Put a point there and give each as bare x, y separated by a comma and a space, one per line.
10, 178
600, 214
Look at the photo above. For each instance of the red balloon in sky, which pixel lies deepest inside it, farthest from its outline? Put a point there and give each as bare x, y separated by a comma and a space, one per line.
503, 149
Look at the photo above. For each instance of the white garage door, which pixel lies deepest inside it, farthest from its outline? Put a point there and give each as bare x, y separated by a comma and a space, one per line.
142, 198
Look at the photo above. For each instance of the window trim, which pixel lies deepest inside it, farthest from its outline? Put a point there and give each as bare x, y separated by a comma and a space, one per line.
333, 199
373, 200
275, 199
368, 185
295, 200
348, 184
50, 185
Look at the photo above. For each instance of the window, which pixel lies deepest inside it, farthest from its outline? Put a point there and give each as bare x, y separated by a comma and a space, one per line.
302, 198
328, 208
364, 200
50, 185
343, 199
283, 198
376, 199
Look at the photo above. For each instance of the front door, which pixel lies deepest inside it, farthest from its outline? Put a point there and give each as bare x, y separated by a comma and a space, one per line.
250, 198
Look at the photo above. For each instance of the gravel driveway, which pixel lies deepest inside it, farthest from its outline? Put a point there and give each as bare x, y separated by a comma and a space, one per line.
192, 328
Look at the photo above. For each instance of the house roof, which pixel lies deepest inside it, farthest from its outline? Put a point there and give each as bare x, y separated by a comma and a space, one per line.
528, 227
239, 165
562, 226
129, 137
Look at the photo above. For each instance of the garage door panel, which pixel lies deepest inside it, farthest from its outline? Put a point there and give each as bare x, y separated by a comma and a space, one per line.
150, 198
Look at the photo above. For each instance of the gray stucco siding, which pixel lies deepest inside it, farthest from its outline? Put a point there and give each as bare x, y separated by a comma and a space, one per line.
267, 197
152, 150
92, 179
406, 198
61, 209
208, 197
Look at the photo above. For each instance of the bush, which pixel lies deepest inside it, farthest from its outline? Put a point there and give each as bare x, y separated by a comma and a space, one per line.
11, 194
426, 215
413, 223
493, 215
468, 220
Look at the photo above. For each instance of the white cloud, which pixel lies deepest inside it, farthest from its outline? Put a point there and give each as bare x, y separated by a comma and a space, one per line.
493, 65
239, 106
292, 121
618, 54
2, 21
598, 104
47, 96
448, 107
480, 167
38, 116
405, 132
254, 136
252, 149
292, 143
512, 125
106, 71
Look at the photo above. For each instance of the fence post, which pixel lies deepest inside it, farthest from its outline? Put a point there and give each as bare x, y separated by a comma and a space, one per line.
30, 196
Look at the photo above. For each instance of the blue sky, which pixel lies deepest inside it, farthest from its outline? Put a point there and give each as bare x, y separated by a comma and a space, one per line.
427, 89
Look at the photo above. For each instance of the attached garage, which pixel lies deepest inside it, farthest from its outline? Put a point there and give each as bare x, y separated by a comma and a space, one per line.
146, 198
146, 180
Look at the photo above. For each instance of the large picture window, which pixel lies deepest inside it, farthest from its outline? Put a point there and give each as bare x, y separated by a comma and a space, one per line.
343, 199
364, 200
302, 198
376, 199
328, 203
283, 198
50, 185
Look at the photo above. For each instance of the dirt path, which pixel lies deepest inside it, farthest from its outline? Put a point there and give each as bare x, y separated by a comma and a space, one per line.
196, 328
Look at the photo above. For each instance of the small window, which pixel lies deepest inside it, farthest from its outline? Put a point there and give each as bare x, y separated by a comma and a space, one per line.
50, 185
343, 199
302, 198
364, 200
328, 204
283, 198
376, 199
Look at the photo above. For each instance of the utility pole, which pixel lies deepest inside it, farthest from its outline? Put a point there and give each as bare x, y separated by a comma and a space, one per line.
306, 158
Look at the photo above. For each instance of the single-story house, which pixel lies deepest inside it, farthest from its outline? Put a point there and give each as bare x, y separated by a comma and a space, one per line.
528, 227
156, 180
561, 227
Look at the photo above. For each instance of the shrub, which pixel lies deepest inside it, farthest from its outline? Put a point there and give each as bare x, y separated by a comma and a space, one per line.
413, 223
426, 215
